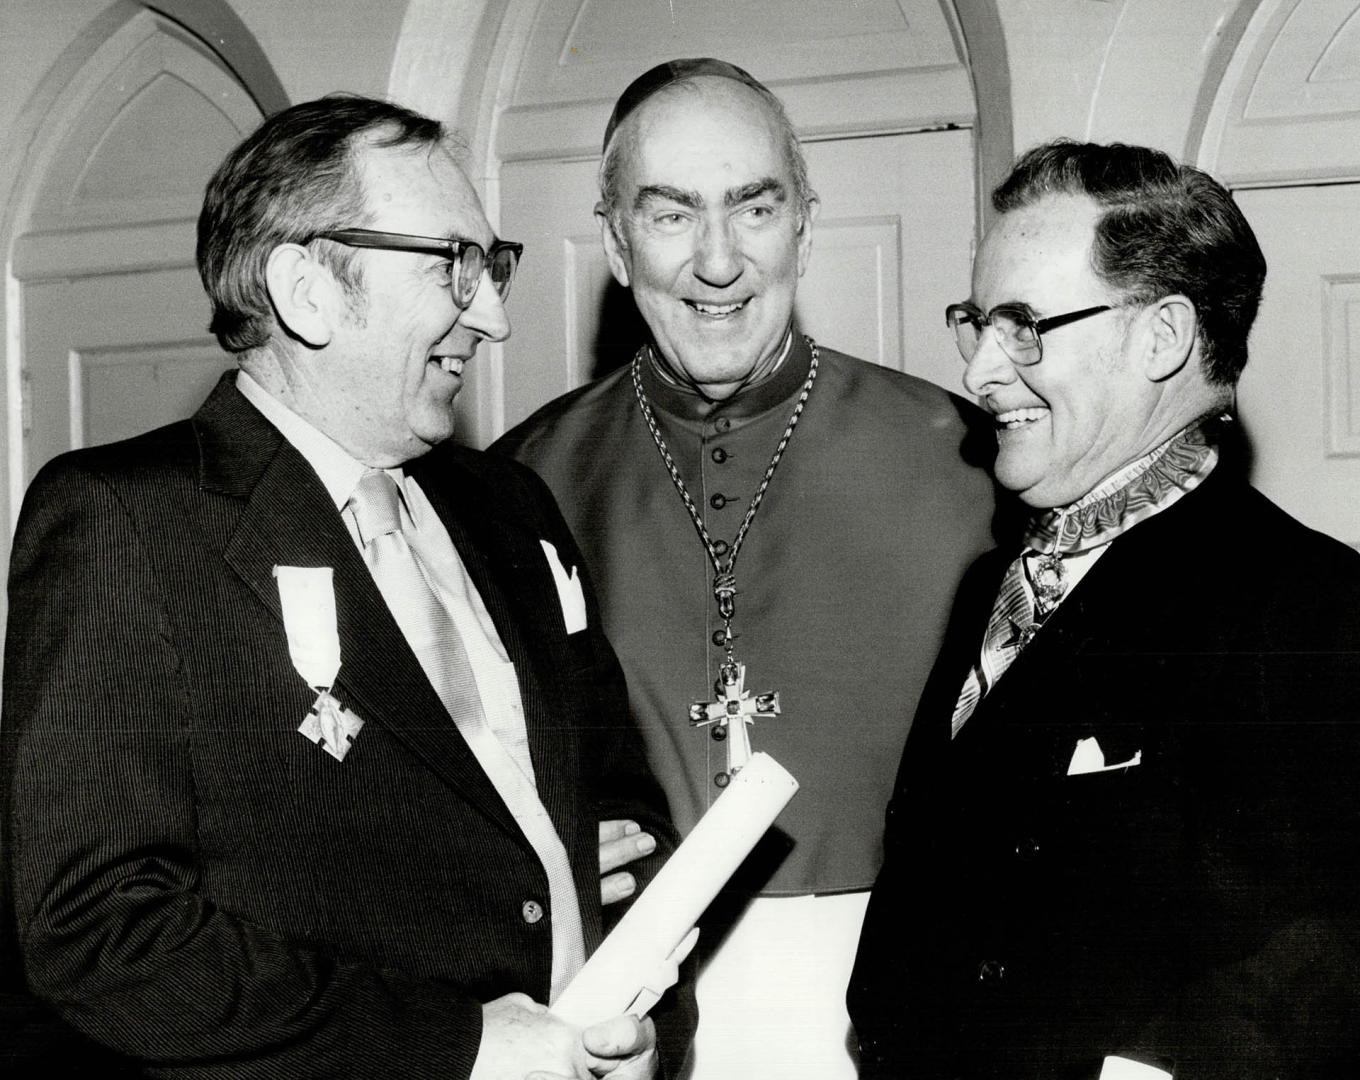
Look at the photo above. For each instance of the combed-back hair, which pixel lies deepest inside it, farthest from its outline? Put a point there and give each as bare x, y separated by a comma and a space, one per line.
1167, 228
611, 165
292, 178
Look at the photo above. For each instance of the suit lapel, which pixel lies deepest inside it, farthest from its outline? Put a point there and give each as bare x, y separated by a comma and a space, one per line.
507, 565
288, 519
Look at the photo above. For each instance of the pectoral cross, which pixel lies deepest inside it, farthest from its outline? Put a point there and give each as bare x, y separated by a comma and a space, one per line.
733, 710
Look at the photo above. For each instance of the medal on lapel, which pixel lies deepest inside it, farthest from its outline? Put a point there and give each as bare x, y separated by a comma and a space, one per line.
307, 597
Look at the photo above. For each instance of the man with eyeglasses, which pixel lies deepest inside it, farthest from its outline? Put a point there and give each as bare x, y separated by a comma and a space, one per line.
310, 723
1125, 839
829, 508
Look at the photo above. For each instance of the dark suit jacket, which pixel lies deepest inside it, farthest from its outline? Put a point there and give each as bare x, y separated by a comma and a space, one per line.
199, 886
1197, 911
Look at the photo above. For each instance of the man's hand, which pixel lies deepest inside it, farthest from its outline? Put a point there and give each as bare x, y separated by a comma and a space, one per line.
521, 1037
621, 1048
621, 842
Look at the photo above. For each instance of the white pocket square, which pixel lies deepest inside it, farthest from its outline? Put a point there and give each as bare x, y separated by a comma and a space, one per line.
1088, 757
569, 593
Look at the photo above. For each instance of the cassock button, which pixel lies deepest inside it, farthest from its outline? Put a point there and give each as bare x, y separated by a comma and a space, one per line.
720, 546
991, 972
719, 734
719, 455
1027, 848
532, 911
722, 779
720, 637
723, 423
717, 500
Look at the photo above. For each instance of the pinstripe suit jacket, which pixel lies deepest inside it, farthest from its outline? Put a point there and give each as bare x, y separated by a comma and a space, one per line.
196, 884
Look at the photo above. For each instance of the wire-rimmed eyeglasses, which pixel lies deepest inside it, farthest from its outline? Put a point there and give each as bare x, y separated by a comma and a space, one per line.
469, 259
1019, 333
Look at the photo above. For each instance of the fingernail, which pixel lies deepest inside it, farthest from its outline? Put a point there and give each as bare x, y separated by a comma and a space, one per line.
632, 828
646, 844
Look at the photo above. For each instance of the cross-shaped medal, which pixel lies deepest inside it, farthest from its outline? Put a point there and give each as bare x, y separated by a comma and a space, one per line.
733, 710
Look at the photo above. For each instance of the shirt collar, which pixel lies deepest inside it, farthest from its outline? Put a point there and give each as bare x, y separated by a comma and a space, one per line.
776, 388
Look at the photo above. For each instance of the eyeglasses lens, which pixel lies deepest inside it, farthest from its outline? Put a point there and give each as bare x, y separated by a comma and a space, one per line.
503, 265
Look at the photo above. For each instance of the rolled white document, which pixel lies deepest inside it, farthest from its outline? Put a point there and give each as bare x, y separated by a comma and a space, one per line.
629, 961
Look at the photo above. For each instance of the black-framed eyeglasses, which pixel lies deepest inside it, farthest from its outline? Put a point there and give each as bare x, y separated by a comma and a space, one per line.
469, 259
1019, 333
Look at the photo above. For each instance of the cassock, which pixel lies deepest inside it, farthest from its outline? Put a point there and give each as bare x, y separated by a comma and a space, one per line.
844, 583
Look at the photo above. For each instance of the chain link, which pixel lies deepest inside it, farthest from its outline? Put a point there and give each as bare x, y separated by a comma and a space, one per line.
725, 582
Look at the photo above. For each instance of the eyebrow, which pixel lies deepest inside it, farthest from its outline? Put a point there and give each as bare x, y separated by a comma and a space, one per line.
766, 185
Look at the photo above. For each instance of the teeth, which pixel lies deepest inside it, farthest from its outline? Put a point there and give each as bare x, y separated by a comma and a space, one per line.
451, 364
1020, 416
717, 309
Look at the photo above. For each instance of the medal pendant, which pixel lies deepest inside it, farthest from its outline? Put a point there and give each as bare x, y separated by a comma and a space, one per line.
732, 709
331, 726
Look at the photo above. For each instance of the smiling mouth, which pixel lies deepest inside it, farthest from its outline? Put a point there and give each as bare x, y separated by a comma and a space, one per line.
717, 311
1016, 419
451, 365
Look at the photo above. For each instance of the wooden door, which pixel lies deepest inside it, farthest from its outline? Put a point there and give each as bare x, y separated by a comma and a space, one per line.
1300, 394
113, 322
890, 249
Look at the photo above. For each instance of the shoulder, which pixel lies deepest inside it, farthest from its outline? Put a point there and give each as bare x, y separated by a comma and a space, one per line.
489, 481
126, 470
569, 417
906, 417
892, 389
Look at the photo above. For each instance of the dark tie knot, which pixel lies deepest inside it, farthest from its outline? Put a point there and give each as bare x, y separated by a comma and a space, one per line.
376, 506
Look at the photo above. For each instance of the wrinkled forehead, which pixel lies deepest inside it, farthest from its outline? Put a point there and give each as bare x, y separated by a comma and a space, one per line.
705, 126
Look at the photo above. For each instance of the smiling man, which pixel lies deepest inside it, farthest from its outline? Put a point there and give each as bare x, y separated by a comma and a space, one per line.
310, 724
832, 503
1124, 838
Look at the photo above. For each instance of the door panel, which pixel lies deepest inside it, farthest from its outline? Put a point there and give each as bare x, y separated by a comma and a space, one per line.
890, 249
1300, 394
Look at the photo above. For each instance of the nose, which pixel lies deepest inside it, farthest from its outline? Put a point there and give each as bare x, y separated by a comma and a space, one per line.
486, 314
717, 256
990, 367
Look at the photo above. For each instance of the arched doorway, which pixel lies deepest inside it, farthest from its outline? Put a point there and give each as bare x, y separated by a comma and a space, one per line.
903, 132
1284, 132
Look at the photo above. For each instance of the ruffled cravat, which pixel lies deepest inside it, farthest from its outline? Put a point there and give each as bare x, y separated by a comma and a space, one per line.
1035, 583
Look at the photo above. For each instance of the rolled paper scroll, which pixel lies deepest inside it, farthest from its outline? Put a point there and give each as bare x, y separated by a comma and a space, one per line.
626, 968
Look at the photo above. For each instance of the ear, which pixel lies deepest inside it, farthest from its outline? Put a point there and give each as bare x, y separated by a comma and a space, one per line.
615, 249
1173, 329
811, 209
303, 292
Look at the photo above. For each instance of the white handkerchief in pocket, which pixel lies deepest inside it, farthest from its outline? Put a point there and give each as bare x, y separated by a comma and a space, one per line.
1088, 757
569, 592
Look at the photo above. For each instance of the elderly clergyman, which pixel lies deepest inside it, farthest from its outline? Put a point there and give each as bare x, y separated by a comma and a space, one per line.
310, 724
1125, 840
831, 504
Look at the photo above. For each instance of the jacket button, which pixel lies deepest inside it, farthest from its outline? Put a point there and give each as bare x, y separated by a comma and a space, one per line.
991, 972
532, 911
719, 455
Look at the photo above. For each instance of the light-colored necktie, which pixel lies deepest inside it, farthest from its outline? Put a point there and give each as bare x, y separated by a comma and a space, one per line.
430, 631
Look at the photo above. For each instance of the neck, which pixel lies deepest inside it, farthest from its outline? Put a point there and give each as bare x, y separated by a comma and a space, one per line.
759, 372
